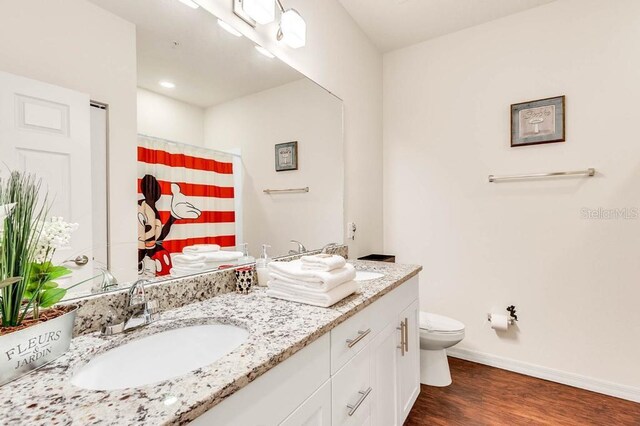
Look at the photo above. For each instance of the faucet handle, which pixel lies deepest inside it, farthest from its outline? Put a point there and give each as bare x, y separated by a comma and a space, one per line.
137, 295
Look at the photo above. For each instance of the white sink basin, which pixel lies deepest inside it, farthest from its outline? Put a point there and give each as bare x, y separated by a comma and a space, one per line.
367, 275
159, 357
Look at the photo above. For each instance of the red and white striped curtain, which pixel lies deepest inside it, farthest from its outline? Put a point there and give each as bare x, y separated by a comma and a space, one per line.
185, 197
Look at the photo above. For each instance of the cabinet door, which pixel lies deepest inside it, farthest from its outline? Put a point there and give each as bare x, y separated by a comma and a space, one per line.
409, 364
351, 392
385, 352
315, 411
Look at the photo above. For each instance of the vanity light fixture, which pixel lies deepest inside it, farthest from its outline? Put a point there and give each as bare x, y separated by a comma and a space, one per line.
167, 85
293, 29
190, 3
262, 11
265, 52
228, 28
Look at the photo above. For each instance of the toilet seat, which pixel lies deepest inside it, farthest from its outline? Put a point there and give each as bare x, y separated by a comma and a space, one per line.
434, 323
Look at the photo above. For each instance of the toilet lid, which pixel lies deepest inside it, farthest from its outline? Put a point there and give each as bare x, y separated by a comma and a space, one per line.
435, 322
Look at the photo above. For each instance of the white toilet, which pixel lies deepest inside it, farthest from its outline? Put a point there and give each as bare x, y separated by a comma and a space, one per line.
437, 333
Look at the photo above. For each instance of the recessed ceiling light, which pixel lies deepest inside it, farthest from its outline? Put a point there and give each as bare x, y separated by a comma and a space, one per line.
228, 28
265, 52
190, 3
167, 85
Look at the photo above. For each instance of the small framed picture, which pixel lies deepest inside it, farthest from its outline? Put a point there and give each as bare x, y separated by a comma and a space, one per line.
538, 122
286, 156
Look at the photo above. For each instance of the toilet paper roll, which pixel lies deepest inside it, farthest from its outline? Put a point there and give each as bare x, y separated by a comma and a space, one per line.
499, 322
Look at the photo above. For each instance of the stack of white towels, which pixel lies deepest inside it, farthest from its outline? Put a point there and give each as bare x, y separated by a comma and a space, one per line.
319, 280
200, 258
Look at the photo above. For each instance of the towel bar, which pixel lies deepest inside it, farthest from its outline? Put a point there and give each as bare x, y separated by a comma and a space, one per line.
589, 172
288, 190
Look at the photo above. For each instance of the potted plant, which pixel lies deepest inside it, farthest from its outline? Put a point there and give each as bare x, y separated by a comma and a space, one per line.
33, 331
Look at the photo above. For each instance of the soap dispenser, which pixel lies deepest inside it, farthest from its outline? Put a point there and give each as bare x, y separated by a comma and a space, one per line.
244, 248
262, 266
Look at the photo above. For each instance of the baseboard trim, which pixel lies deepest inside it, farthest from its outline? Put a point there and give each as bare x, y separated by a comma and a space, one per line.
629, 393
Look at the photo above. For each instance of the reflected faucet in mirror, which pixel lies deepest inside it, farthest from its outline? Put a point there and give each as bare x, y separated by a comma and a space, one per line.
301, 248
139, 311
326, 248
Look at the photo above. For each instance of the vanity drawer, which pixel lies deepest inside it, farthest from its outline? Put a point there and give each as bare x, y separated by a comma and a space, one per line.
349, 338
351, 391
385, 309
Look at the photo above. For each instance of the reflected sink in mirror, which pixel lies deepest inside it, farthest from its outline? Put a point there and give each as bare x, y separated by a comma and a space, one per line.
162, 356
367, 275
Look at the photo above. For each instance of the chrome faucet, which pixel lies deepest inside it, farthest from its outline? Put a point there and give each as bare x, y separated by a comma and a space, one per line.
139, 311
301, 248
326, 248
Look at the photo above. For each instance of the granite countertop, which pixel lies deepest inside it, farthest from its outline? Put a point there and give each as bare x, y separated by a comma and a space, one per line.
278, 329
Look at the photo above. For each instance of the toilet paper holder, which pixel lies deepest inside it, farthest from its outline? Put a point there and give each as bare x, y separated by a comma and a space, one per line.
512, 314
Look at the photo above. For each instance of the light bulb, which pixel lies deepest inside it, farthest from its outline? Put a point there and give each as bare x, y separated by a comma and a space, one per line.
228, 28
293, 29
261, 11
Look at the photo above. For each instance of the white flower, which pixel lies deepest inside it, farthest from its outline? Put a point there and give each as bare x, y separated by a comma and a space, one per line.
55, 234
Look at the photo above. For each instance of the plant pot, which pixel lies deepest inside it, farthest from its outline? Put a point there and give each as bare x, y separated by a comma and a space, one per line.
25, 350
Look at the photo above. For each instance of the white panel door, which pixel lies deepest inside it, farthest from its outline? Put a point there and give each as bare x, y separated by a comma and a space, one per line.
384, 376
409, 364
315, 411
45, 129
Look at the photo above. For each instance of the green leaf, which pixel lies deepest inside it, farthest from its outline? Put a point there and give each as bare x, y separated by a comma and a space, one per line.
57, 272
51, 297
9, 281
27, 295
49, 284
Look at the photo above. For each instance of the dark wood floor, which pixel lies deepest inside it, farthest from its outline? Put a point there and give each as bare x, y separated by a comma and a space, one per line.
482, 395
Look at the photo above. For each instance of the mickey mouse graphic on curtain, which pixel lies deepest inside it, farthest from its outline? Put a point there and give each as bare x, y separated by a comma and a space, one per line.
153, 259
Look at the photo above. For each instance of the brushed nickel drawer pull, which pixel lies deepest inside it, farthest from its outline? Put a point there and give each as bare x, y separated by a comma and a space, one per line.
406, 335
403, 345
363, 395
361, 335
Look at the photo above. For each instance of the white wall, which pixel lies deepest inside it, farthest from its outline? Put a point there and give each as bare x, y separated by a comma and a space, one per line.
344, 61
299, 111
77, 45
446, 127
167, 118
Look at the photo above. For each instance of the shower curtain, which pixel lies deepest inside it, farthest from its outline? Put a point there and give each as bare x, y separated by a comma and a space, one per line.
185, 197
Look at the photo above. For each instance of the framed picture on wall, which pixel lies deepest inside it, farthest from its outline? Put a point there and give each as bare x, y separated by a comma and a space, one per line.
538, 122
286, 156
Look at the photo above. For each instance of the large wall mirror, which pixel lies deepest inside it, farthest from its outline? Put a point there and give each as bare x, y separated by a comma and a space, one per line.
233, 148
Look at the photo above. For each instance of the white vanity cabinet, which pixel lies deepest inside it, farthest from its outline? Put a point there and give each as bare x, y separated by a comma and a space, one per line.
366, 371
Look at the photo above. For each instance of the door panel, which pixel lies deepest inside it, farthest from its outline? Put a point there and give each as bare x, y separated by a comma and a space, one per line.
384, 376
45, 129
315, 411
409, 364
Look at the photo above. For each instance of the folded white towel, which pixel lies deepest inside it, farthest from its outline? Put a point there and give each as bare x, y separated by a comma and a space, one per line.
201, 248
187, 259
317, 286
293, 271
323, 262
221, 256
315, 298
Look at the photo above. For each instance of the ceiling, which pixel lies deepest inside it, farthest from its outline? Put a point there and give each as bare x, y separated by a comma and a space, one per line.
208, 65
393, 24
